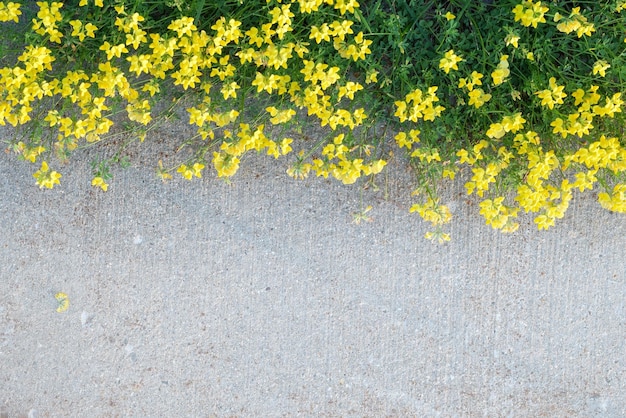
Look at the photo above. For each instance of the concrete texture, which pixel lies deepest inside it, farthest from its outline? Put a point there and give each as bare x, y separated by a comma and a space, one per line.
262, 298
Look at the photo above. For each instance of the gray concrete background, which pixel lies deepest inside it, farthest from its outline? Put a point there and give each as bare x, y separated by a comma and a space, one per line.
262, 298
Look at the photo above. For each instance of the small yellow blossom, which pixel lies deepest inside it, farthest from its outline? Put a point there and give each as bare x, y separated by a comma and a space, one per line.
63, 302
616, 201
99, 182
600, 67
320, 33
189, 172
230, 90
45, 177
433, 212
10, 11
478, 98
449, 61
553, 95
113, 50
502, 71
529, 13
575, 22
512, 39
183, 26
344, 5
81, 31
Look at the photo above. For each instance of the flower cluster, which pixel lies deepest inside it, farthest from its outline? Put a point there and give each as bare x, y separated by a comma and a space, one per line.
532, 116
435, 213
419, 105
477, 96
10, 12
529, 13
575, 22
285, 67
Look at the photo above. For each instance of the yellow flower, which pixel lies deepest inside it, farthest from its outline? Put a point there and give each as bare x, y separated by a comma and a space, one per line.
500, 75
449, 61
340, 30
513, 123
31, 153
82, 31
464, 157
197, 169
612, 106
136, 38
375, 167
496, 130
474, 80
99, 182
113, 50
45, 177
575, 22
478, 97
63, 302
320, 34
449, 16
544, 222
345, 6
140, 64
529, 13
189, 172
139, 112
552, 96
600, 67
183, 26
512, 39
280, 116
437, 235
349, 89
230, 90
10, 11
616, 201
586, 99
329, 77
433, 212
502, 71
403, 140
49, 14
225, 164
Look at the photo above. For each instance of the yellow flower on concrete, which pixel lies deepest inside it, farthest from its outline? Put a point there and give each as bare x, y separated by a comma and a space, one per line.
100, 182
45, 177
63, 302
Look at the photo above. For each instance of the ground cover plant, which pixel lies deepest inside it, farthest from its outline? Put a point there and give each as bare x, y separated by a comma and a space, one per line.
525, 96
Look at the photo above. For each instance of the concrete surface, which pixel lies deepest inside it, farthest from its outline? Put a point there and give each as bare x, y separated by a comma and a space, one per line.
262, 298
